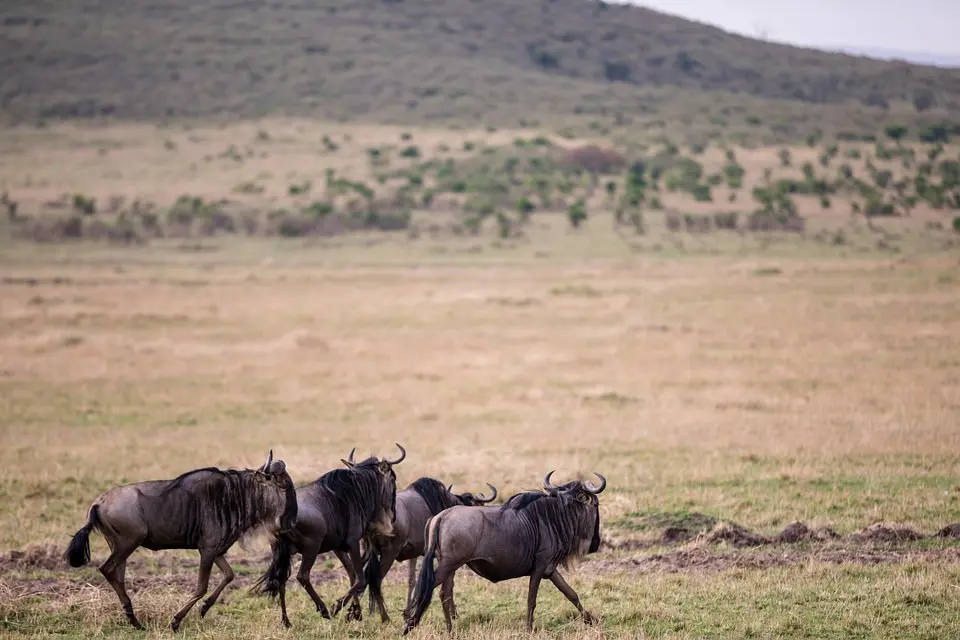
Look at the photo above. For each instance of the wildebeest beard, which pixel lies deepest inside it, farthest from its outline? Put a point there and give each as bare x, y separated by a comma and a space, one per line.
566, 522
226, 504
362, 493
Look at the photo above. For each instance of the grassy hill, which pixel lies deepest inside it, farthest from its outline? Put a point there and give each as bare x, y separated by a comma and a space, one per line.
499, 62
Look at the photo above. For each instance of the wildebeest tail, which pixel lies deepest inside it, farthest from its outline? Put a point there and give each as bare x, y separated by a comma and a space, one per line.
78, 552
279, 570
372, 575
427, 580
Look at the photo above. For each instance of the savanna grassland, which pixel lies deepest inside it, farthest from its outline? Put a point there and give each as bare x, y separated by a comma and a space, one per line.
728, 382
574, 236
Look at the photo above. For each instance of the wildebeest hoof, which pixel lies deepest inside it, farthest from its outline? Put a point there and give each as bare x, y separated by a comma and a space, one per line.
204, 608
286, 622
175, 625
354, 613
589, 619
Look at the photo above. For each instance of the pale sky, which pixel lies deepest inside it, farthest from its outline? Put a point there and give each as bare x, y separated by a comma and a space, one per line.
910, 25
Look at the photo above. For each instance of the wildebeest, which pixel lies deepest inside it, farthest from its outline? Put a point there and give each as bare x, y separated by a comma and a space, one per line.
206, 509
422, 499
335, 512
532, 534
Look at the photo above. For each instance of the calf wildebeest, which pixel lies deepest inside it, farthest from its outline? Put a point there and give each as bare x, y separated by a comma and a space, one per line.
335, 512
422, 499
206, 509
532, 534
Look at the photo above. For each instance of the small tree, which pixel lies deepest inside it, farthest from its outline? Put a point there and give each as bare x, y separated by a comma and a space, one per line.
896, 132
577, 213
785, 157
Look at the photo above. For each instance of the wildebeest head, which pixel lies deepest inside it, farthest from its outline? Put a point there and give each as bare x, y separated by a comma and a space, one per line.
582, 497
274, 473
388, 488
474, 499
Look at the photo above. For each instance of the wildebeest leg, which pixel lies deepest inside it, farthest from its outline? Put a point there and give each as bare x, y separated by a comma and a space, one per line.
307, 558
571, 595
532, 591
282, 596
227, 571
114, 569
441, 575
352, 563
388, 556
453, 605
203, 583
411, 578
446, 600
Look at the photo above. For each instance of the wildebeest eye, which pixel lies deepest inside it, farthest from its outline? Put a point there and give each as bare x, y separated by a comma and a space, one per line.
583, 497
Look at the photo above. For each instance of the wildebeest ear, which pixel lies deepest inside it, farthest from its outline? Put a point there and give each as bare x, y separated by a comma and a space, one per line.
277, 466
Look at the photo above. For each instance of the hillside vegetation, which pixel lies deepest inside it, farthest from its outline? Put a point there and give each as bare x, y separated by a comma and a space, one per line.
497, 61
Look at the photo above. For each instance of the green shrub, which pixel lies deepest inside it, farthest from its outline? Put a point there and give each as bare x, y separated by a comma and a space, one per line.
577, 213
701, 193
300, 189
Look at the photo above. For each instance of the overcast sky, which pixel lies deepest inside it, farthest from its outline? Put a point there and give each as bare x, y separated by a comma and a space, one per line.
909, 25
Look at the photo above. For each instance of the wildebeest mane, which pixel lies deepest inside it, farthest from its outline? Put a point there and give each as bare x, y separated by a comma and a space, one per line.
178, 482
230, 502
434, 494
520, 501
558, 515
356, 487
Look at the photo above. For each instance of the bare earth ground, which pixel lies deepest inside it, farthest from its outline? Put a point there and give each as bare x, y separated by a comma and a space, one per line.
715, 387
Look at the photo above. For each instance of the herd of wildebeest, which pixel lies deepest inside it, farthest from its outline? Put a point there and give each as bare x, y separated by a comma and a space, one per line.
357, 513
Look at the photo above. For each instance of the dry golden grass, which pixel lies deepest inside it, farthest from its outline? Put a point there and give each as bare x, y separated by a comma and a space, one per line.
825, 391
757, 381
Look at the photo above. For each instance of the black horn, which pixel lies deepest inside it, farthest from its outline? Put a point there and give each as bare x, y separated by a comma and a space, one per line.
403, 454
549, 486
352, 451
483, 500
589, 486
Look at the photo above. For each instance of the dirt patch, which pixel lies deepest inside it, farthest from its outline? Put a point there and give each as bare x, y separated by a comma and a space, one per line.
37, 557
700, 559
733, 534
738, 536
799, 532
886, 533
44, 572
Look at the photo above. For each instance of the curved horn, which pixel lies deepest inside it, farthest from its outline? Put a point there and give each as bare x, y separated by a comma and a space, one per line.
589, 486
350, 457
482, 500
266, 465
403, 454
549, 486
449, 488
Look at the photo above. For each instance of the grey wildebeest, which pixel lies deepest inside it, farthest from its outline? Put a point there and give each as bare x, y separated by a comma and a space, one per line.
206, 509
532, 534
421, 500
335, 513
